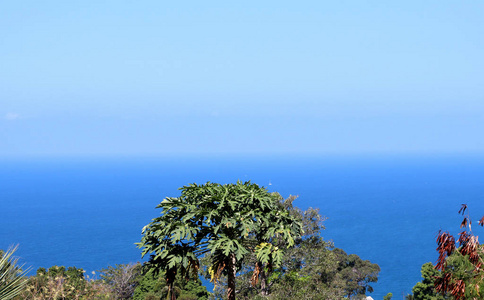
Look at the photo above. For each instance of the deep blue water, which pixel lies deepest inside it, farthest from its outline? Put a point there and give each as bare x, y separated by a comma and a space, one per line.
89, 212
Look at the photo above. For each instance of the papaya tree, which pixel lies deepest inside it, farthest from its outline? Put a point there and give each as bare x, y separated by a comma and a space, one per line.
226, 221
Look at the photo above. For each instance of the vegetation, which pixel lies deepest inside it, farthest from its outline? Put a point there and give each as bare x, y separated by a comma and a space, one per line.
388, 296
153, 287
311, 269
425, 290
67, 284
228, 221
122, 279
12, 280
236, 235
119, 282
461, 266
458, 273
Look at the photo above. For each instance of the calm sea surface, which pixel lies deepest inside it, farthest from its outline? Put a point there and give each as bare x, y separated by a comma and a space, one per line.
89, 213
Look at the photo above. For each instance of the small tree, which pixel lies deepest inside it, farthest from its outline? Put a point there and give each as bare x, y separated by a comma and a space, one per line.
425, 289
122, 279
154, 287
357, 273
228, 221
461, 266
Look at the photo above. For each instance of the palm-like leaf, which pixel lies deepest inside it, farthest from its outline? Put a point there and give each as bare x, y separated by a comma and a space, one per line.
12, 280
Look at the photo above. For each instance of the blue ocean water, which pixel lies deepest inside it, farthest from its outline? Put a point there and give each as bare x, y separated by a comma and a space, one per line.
89, 212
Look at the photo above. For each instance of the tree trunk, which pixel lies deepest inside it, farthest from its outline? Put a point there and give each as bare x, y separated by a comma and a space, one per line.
171, 293
170, 279
263, 283
232, 268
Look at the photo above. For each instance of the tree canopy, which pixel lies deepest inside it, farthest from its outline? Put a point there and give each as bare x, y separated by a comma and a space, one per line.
311, 269
425, 289
460, 261
458, 273
228, 221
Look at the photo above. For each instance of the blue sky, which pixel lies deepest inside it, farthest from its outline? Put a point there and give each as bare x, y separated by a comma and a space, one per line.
241, 77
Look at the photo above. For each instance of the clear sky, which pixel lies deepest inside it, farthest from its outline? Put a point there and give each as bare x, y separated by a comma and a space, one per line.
231, 77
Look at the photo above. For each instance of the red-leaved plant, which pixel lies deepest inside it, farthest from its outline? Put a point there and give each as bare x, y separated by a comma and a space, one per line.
468, 246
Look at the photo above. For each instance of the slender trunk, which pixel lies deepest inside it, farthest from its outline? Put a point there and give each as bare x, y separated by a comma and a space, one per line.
232, 268
263, 283
168, 296
170, 279
171, 293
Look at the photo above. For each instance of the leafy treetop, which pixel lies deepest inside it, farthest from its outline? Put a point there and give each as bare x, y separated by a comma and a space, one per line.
228, 221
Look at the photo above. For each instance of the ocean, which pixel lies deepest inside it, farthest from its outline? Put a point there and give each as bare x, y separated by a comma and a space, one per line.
88, 212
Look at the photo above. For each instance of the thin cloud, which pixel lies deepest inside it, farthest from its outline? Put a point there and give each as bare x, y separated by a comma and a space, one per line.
11, 116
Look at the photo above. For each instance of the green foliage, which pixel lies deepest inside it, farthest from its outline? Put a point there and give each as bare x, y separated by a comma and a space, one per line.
317, 269
293, 285
326, 273
425, 290
356, 273
59, 283
458, 271
153, 286
310, 269
462, 269
73, 275
460, 261
12, 281
149, 287
122, 279
388, 296
227, 221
